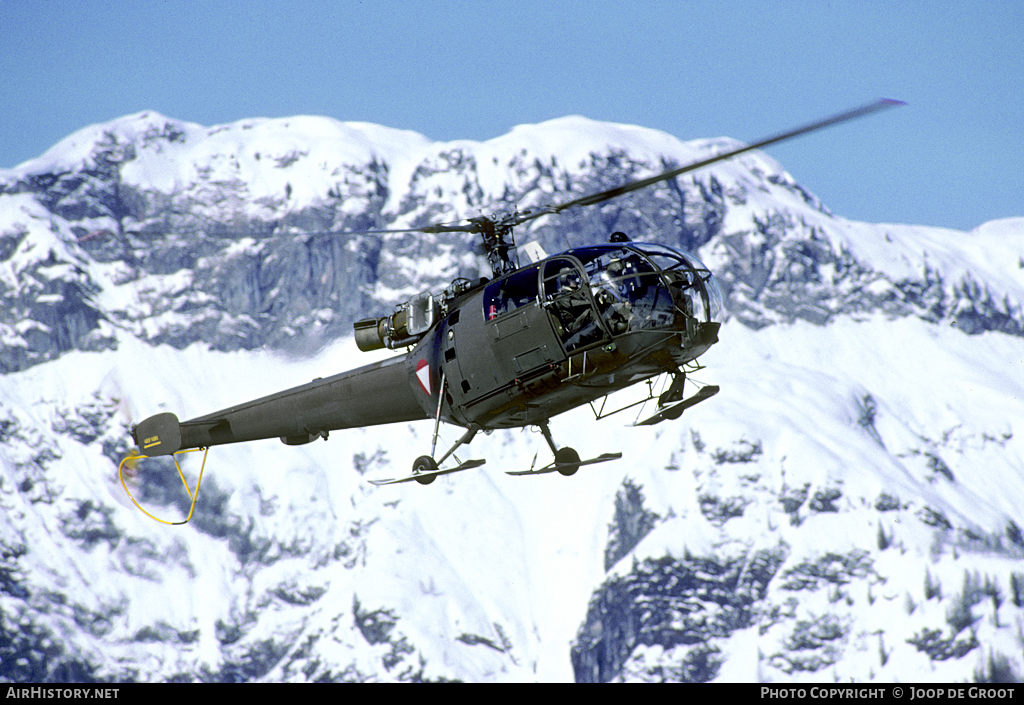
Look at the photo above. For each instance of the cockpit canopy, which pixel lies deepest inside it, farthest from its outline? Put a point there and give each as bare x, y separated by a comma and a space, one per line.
629, 273
632, 286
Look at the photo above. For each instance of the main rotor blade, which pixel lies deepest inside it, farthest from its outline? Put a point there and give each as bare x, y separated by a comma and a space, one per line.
471, 228
644, 183
515, 219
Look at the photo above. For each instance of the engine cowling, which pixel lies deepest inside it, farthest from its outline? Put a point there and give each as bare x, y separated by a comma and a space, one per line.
406, 326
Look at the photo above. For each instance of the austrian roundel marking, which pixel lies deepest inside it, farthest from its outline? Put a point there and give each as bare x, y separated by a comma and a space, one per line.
423, 376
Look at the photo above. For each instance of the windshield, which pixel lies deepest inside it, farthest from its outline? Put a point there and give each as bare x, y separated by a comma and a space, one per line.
593, 291
645, 284
628, 291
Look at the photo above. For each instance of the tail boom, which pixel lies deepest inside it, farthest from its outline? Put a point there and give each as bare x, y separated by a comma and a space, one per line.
375, 394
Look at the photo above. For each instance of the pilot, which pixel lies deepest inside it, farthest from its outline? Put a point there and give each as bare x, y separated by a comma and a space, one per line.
619, 236
631, 284
572, 306
572, 300
614, 308
615, 313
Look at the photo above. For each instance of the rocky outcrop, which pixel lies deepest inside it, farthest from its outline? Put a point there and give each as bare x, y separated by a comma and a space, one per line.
216, 255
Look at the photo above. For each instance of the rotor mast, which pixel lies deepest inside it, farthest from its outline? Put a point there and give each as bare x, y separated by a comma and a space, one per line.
499, 242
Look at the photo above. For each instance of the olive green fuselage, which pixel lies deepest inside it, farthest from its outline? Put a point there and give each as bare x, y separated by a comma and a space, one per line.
515, 351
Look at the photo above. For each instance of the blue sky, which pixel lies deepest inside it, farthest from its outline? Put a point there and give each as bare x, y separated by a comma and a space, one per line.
954, 156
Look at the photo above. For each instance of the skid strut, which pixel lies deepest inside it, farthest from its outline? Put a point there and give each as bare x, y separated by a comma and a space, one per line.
547, 436
425, 468
567, 460
463, 440
437, 416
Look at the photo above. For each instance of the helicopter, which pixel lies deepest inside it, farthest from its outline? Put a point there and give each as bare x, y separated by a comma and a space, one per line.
534, 340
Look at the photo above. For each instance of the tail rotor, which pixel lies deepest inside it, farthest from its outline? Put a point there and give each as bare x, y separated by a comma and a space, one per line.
155, 436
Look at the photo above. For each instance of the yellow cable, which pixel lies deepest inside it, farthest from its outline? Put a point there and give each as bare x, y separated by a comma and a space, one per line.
194, 497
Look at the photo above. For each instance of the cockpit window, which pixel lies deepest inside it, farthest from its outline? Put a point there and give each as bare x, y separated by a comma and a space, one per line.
629, 292
506, 295
570, 305
665, 258
634, 278
693, 284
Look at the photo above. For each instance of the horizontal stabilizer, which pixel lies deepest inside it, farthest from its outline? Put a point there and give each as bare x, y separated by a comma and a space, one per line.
555, 467
676, 410
428, 476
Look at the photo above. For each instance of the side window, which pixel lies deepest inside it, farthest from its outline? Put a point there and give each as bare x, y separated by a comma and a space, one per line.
506, 295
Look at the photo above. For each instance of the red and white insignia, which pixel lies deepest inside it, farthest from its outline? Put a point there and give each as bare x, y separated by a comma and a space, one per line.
423, 375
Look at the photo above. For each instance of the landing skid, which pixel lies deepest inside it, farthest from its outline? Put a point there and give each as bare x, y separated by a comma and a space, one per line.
560, 467
426, 477
566, 461
676, 410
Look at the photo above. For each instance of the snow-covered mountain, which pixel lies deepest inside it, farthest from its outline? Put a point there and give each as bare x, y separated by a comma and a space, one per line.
848, 507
